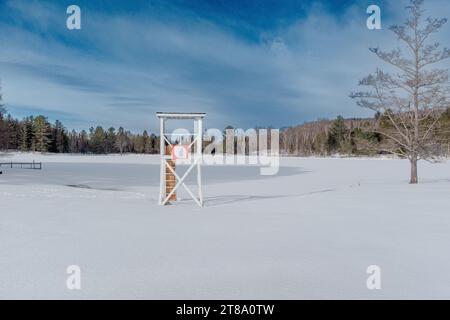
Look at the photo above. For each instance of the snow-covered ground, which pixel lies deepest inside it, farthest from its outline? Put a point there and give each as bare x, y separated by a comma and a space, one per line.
309, 232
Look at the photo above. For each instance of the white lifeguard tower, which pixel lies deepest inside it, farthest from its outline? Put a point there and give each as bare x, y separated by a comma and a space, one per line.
171, 151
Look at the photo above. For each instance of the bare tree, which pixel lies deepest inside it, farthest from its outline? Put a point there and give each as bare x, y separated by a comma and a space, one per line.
122, 140
411, 99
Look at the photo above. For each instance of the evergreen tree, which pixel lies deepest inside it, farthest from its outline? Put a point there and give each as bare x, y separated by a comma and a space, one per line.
98, 140
154, 144
13, 130
3, 129
25, 134
41, 132
111, 140
147, 142
139, 143
83, 142
2, 106
337, 135
60, 137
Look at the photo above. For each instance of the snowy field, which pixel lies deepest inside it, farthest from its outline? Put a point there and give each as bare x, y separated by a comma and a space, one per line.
309, 232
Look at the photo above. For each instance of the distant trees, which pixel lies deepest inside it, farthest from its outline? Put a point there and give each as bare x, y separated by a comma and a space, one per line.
326, 137
351, 137
412, 100
2, 106
318, 138
3, 129
37, 134
444, 134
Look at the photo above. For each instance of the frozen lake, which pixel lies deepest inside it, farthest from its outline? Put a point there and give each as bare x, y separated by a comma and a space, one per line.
113, 176
309, 232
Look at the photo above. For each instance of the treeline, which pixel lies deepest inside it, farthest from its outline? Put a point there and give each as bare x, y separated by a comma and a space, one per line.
326, 137
318, 138
38, 134
349, 137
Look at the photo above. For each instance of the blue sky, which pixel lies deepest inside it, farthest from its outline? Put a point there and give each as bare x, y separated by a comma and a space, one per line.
245, 63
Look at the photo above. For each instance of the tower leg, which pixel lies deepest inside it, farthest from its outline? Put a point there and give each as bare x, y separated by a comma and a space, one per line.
199, 159
169, 176
162, 151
